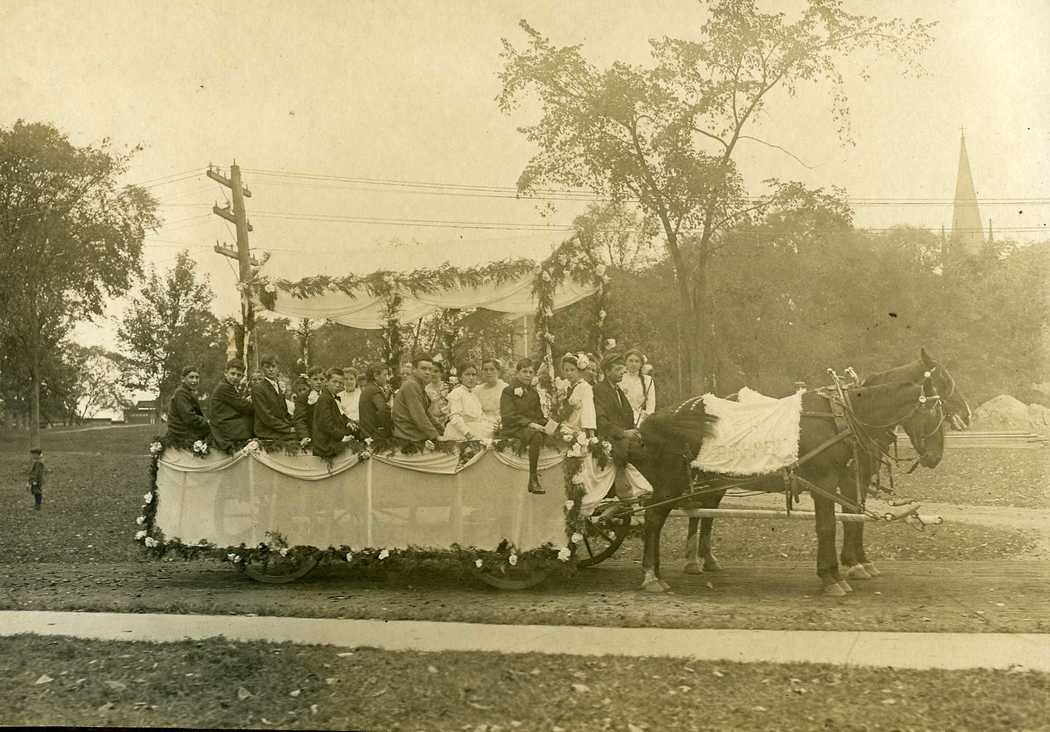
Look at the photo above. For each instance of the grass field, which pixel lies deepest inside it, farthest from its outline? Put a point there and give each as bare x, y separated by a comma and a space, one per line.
220, 684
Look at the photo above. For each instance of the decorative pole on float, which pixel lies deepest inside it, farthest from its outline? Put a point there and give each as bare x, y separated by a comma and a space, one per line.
237, 215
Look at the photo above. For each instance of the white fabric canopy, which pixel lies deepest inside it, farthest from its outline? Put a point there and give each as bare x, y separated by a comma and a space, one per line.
363, 311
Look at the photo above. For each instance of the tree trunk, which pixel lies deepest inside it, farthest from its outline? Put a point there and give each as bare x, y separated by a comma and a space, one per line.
34, 399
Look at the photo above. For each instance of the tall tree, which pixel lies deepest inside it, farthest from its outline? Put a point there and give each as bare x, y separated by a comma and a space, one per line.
168, 326
70, 238
667, 135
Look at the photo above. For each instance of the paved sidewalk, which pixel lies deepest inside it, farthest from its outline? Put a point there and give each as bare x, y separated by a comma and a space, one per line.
901, 650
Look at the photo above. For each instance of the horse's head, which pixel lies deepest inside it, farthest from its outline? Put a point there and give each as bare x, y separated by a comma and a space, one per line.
937, 381
925, 424
914, 407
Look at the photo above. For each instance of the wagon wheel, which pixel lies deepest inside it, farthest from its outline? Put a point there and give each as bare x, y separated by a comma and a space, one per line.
277, 570
602, 539
516, 581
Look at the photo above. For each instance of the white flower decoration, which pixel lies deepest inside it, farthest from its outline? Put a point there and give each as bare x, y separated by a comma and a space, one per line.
384, 554
602, 315
453, 380
349, 556
452, 371
140, 535
438, 358
576, 538
270, 287
200, 447
582, 361
512, 560
569, 505
549, 312
284, 551
365, 454
155, 448
141, 520
564, 554
575, 451
478, 563
148, 498
518, 391
252, 446
312, 397
594, 440
610, 343
581, 438
549, 337
150, 542
369, 440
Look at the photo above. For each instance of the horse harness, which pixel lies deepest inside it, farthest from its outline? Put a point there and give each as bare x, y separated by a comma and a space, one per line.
848, 427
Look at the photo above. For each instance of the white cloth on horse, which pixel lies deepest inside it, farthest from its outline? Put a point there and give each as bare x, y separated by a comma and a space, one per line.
754, 436
598, 481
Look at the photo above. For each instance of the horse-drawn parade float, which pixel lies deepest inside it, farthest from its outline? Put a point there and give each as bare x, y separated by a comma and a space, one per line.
275, 511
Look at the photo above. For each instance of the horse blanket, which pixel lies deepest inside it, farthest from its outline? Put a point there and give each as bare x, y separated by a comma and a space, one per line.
755, 435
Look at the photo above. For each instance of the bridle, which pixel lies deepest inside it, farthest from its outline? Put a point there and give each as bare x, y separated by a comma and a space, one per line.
927, 401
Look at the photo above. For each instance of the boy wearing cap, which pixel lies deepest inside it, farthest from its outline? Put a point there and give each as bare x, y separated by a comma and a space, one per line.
35, 483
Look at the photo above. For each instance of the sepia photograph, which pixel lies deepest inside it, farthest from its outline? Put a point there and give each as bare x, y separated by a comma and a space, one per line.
525, 365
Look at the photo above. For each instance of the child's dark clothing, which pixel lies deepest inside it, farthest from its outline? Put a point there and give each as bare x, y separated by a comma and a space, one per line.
36, 482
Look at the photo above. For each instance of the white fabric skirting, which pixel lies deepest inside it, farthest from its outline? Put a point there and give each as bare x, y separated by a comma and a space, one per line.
393, 501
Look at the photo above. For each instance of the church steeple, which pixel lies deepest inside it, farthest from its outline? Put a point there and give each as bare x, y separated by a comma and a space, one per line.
967, 231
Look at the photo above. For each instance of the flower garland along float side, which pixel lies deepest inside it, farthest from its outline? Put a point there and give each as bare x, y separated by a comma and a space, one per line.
275, 561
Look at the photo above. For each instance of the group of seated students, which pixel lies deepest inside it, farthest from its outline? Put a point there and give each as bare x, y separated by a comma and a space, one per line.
330, 407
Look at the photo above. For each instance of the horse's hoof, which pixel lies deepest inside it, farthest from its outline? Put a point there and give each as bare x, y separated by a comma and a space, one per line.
833, 590
653, 586
711, 565
693, 568
871, 569
845, 586
857, 572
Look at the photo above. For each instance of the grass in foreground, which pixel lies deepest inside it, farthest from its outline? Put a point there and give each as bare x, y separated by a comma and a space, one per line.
216, 683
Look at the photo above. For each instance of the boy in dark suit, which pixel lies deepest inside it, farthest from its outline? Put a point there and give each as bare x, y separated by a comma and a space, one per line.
231, 409
35, 483
374, 414
521, 417
186, 421
615, 417
303, 416
272, 421
329, 424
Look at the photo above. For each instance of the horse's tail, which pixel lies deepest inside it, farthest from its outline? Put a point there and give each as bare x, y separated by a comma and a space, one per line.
691, 424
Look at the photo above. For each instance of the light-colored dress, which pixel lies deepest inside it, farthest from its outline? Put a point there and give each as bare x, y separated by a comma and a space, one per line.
350, 404
641, 394
581, 399
489, 397
466, 416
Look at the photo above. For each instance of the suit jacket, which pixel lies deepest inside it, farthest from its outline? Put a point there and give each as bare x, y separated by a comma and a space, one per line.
374, 414
410, 413
272, 421
613, 411
231, 416
329, 426
303, 416
186, 422
516, 412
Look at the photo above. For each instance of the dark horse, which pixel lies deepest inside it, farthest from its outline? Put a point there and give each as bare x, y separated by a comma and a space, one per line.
919, 396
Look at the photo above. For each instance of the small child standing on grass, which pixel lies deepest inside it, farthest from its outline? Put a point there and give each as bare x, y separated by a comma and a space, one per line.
36, 477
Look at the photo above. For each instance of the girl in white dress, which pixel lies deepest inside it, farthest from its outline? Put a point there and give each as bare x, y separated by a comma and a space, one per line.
638, 387
467, 420
580, 397
490, 390
350, 396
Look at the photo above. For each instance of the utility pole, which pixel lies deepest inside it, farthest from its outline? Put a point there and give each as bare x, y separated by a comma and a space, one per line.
239, 218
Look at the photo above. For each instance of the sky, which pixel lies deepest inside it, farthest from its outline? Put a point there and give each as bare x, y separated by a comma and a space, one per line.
398, 91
